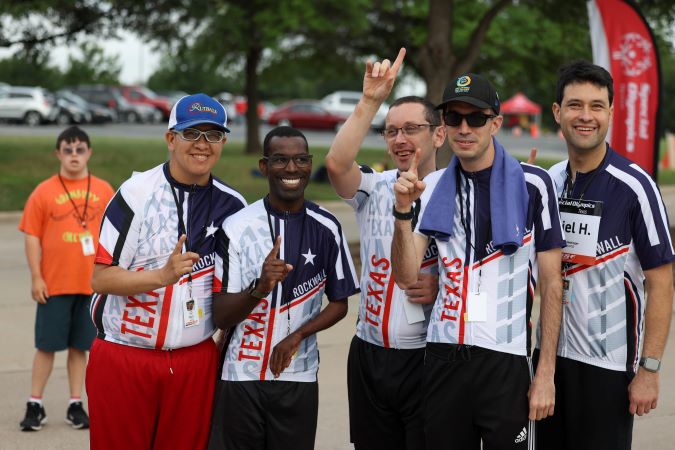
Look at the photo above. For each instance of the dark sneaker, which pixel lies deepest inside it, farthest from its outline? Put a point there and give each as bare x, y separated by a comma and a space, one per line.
76, 416
35, 417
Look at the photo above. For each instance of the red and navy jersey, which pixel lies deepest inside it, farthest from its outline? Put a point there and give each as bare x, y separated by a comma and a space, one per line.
314, 243
603, 319
140, 229
469, 262
382, 312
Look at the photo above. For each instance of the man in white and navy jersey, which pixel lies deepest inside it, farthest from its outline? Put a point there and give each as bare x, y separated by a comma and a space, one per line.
613, 335
283, 253
386, 357
151, 374
497, 230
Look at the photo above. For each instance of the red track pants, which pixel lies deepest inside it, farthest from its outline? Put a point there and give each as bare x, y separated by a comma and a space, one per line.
144, 399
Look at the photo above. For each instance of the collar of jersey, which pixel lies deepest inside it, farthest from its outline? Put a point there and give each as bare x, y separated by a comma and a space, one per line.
283, 214
181, 186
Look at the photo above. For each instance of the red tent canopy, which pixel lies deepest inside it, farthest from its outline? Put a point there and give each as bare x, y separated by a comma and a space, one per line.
519, 104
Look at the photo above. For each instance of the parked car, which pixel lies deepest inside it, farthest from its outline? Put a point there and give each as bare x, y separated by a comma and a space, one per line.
173, 96
227, 100
97, 113
306, 114
111, 97
144, 96
70, 112
344, 102
30, 105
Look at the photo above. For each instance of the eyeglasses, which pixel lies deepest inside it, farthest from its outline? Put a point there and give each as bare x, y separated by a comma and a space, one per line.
280, 162
192, 134
408, 130
73, 150
474, 120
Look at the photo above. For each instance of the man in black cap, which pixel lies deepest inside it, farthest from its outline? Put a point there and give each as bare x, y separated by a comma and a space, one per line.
497, 229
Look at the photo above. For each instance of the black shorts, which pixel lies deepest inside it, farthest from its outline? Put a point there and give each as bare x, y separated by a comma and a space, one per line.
385, 397
264, 415
591, 409
64, 322
473, 394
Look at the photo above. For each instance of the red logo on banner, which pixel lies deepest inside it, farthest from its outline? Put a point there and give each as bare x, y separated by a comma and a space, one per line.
632, 61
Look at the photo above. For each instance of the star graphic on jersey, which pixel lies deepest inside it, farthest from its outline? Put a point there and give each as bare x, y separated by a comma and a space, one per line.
309, 258
211, 230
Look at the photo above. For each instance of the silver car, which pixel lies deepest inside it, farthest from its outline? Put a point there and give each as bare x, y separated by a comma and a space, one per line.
31, 105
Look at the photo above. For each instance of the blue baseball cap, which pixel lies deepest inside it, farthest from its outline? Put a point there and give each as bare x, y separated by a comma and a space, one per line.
197, 109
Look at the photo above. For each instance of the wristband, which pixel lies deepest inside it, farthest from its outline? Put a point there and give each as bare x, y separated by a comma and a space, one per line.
402, 216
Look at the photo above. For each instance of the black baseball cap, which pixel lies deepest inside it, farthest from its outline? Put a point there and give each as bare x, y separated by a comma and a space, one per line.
473, 89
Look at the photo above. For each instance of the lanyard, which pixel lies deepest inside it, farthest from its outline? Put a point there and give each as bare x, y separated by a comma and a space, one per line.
285, 296
182, 229
458, 188
82, 218
568, 188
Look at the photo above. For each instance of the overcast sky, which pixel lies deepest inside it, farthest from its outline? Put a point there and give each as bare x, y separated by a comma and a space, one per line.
137, 59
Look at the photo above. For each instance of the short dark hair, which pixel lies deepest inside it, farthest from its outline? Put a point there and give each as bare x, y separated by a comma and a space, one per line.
72, 134
282, 132
582, 71
431, 114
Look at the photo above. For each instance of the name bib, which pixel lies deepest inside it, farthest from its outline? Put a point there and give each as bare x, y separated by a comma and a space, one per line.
581, 224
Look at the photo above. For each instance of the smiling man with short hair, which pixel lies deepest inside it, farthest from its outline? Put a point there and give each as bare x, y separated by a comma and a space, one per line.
151, 376
283, 254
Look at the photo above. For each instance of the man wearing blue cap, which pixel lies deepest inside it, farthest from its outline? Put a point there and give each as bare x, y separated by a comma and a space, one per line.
151, 373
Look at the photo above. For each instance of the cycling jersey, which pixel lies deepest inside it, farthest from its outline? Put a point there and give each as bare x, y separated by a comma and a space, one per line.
382, 317
469, 262
313, 242
139, 232
603, 318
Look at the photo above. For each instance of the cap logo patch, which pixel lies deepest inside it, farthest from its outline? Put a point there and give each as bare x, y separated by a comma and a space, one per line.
198, 107
463, 84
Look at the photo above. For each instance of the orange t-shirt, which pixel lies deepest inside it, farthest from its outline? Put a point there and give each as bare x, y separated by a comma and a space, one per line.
50, 216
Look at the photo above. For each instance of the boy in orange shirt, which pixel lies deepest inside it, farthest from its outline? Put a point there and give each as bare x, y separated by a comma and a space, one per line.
61, 223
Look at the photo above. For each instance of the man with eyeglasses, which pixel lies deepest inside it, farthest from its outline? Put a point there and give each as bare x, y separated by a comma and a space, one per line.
151, 375
61, 223
497, 229
386, 355
283, 253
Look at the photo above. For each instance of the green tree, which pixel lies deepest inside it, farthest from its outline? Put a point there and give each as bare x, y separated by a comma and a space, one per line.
235, 36
92, 66
32, 69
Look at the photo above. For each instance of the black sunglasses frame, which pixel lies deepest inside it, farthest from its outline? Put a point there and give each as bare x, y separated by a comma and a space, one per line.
475, 119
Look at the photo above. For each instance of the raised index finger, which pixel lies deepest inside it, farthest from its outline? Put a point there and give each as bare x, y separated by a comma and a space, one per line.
399, 60
415, 161
179, 245
274, 253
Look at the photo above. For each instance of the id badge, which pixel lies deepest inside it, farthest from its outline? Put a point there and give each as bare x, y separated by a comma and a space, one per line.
476, 307
87, 241
567, 291
190, 312
581, 224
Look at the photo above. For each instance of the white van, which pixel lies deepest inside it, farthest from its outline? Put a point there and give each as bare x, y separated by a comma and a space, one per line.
344, 102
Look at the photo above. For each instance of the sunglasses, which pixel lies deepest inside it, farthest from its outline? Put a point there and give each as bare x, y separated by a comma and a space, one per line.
474, 120
73, 150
